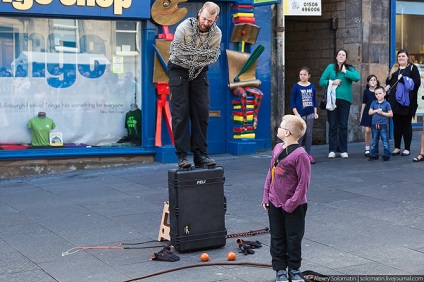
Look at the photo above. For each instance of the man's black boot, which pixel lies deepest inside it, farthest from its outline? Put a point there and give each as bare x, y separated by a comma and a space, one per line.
183, 162
201, 159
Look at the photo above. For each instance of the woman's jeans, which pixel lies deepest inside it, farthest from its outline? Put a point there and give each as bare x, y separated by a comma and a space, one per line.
309, 119
337, 121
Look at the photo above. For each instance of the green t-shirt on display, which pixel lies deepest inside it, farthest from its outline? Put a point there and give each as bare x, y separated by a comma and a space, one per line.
133, 123
41, 128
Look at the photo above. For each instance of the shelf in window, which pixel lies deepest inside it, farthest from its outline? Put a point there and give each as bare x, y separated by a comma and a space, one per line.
127, 53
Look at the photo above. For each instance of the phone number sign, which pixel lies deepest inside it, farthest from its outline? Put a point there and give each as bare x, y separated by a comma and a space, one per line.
302, 8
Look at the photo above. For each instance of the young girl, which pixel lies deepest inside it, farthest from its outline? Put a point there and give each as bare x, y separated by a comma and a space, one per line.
303, 103
365, 118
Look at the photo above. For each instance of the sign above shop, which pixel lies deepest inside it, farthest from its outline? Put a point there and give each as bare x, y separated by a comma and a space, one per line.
302, 8
86, 8
265, 2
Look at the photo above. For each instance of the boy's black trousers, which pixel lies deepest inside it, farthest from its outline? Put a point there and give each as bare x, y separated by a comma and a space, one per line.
287, 230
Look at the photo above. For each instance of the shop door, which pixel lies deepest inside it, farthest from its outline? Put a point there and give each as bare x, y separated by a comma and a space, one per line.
218, 79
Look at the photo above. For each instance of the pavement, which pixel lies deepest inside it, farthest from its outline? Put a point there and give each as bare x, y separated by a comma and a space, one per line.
364, 218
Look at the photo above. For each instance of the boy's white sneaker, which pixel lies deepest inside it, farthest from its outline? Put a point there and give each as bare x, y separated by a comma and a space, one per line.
344, 155
294, 275
331, 155
282, 276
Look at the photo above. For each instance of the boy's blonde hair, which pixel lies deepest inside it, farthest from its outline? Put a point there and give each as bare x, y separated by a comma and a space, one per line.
296, 125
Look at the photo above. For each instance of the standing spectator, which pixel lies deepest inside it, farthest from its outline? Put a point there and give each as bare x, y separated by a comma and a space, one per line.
403, 112
380, 110
304, 104
195, 47
341, 74
420, 157
365, 118
284, 198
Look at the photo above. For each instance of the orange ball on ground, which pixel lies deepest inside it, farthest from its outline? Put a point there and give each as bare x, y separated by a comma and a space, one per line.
204, 257
231, 256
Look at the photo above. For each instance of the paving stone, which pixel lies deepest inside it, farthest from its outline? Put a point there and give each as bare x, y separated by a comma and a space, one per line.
362, 218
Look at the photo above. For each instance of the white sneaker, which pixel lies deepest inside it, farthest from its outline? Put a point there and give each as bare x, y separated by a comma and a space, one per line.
344, 155
331, 155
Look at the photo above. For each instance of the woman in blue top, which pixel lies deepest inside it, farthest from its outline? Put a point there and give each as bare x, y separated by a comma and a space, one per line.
303, 103
342, 75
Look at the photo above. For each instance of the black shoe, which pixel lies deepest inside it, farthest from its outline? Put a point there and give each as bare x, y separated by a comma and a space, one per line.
386, 158
373, 158
201, 159
405, 153
183, 162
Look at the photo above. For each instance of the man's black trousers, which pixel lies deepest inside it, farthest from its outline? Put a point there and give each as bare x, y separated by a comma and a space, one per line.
189, 105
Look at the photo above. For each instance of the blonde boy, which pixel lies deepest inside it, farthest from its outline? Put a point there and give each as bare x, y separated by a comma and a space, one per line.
380, 110
285, 200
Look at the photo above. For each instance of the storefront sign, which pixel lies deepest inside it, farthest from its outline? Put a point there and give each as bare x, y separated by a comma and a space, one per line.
118, 64
302, 7
265, 2
96, 8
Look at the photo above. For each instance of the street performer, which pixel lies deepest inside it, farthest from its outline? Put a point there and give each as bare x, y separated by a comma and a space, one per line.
196, 45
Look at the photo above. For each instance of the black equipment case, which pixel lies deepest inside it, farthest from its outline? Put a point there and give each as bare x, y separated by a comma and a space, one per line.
197, 208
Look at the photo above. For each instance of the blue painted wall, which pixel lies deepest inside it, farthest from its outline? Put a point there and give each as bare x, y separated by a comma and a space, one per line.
263, 132
137, 9
221, 130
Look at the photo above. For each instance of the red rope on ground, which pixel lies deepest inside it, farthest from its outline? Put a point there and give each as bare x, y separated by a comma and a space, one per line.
200, 265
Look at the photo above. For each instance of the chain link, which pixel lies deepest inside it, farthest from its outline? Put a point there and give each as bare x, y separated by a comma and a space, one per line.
195, 53
249, 233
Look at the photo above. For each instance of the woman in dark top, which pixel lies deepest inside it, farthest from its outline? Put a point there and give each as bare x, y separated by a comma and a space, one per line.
402, 115
365, 118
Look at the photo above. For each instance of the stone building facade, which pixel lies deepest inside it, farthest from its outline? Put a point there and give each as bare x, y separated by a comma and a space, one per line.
359, 27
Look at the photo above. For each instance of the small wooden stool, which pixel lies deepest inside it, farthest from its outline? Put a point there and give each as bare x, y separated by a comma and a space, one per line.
164, 224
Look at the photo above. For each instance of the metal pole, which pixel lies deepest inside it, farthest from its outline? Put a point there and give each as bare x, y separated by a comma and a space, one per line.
278, 97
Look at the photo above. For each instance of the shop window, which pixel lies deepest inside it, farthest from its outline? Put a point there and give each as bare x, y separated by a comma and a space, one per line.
6, 51
127, 38
65, 35
410, 36
73, 75
37, 42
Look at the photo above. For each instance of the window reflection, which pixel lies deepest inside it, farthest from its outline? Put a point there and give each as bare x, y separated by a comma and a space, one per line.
65, 68
410, 36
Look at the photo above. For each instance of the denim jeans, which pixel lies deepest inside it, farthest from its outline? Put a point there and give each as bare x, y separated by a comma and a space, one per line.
383, 132
309, 119
337, 121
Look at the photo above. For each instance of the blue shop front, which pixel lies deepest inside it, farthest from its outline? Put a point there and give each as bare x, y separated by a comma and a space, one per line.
81, 78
